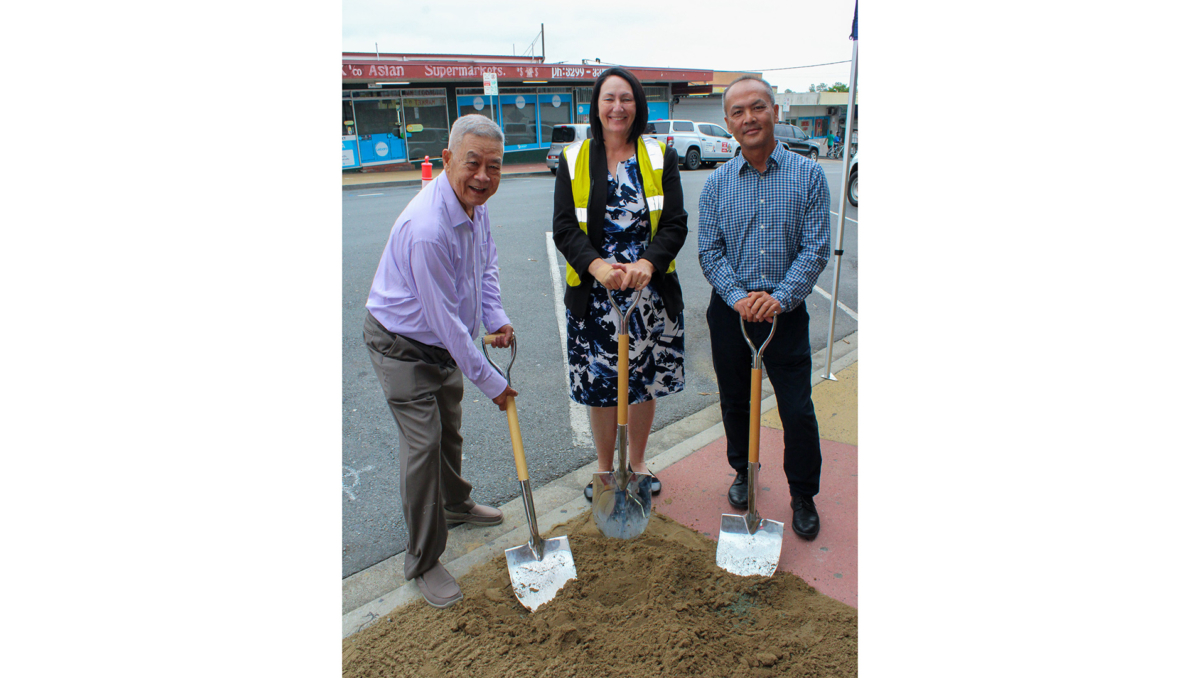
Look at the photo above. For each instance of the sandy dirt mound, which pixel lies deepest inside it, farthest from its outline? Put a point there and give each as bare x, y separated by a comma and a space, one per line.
656, 605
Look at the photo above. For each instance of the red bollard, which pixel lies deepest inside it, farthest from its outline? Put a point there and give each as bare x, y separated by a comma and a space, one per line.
426, 172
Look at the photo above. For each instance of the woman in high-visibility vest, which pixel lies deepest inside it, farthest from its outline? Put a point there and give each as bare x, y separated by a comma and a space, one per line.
619, 222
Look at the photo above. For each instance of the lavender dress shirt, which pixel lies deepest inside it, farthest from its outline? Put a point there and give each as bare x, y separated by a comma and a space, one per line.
438, 279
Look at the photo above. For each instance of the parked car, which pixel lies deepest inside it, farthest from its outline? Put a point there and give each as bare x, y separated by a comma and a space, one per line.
794, 139
696, 143
430, 141
852, 185
721, 140
560, 137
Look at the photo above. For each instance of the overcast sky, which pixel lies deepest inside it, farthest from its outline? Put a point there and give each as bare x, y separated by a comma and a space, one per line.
724, 36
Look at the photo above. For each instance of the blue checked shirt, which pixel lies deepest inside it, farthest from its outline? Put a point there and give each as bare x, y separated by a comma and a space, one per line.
766, 231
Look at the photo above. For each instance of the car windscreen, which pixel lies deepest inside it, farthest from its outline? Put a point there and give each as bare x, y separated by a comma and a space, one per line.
660, 127
562, 135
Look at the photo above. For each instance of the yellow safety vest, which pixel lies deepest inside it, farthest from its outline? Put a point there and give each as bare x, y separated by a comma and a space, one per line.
649, 154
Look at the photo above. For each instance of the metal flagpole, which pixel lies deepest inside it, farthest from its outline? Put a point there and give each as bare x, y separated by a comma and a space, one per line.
837, 253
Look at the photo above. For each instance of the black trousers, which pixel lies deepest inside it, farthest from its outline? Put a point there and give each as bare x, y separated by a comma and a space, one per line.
788, 365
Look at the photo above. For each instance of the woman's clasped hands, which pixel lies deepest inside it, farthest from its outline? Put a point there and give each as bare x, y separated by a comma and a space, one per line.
618, 276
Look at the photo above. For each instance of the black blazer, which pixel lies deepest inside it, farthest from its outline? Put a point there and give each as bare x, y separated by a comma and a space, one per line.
580, 248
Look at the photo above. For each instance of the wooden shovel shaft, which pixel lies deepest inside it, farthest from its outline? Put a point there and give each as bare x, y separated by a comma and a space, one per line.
755, 412
622, 379
514, 432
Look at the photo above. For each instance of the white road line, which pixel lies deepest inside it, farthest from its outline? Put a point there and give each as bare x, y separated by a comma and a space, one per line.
847, 218
842, 306
579, 416
366, 195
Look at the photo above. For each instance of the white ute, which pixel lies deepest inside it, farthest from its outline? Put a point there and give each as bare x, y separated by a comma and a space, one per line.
696, 142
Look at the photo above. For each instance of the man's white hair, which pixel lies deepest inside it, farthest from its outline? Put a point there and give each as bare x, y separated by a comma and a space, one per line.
477, 125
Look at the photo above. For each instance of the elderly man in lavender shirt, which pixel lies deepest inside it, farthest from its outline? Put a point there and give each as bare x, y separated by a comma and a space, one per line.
437, 282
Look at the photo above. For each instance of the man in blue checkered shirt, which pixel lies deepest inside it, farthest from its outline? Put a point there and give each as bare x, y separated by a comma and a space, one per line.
764, 239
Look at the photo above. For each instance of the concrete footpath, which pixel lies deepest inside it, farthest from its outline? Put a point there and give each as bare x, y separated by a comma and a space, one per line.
689, 458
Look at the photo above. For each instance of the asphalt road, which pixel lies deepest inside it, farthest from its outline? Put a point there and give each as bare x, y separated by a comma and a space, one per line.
372, 523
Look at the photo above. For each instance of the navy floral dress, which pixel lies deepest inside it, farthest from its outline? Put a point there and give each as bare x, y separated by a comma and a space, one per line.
655, 341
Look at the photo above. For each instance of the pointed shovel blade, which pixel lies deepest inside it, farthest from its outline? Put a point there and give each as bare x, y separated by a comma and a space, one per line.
621, 514
746, 554
535, 581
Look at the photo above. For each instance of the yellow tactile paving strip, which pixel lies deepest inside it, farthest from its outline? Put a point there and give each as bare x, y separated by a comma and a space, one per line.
837, 408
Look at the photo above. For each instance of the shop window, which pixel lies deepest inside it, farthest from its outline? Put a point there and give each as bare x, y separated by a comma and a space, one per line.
655, 93
520, 120
347, 118
377, 117
427, 127
555, 109
477, 105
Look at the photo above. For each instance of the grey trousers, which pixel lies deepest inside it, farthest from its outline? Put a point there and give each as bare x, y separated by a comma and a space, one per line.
424, 390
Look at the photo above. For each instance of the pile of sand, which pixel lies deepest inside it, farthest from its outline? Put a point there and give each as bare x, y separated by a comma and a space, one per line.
656, 605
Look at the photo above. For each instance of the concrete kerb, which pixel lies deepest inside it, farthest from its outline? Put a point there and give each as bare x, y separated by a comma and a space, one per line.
372, 593
417, 182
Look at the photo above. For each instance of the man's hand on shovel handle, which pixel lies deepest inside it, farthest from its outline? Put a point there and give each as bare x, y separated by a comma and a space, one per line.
765, 308
502, 399
503, 337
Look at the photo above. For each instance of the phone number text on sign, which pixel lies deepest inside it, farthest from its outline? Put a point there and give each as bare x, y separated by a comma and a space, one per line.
575, 72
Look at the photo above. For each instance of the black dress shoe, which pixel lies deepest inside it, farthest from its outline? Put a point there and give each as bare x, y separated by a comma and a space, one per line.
738, 491
805, 521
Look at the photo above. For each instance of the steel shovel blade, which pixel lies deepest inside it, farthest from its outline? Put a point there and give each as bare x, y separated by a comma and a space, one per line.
536, 582
746, 554
621, 514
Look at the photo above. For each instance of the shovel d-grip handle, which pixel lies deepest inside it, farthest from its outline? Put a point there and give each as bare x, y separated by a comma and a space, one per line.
755, 389
514, 426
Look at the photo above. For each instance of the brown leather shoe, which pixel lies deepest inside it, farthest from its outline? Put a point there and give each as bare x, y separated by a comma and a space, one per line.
476, 515
438, 587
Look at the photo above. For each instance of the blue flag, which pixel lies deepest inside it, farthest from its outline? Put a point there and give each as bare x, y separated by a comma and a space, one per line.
854, 27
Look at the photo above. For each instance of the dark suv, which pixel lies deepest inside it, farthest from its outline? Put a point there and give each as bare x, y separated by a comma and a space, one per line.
796, 141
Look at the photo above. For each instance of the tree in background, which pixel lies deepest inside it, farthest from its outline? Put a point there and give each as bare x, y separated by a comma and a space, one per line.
835, 87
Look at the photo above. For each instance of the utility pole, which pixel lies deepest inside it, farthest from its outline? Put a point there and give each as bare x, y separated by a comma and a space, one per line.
543, 43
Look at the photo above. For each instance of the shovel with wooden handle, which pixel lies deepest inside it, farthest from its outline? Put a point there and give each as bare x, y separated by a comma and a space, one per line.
541, 567
750, 544
621, 498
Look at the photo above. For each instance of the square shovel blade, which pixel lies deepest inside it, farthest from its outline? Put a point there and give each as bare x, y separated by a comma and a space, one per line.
536, 582
746, 554
621, 514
